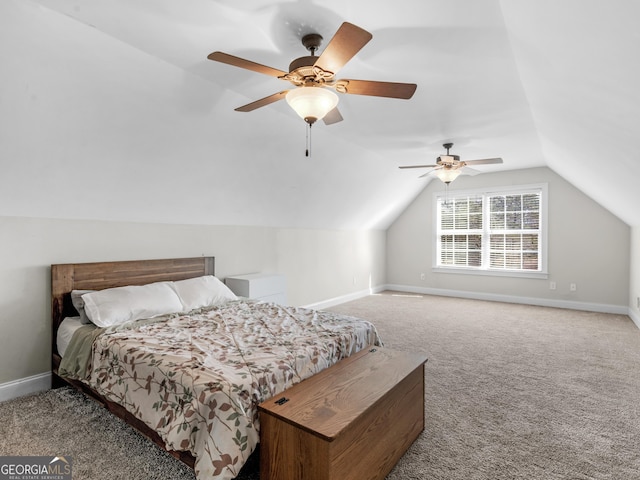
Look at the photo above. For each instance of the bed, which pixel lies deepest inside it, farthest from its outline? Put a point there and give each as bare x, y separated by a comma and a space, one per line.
191, 382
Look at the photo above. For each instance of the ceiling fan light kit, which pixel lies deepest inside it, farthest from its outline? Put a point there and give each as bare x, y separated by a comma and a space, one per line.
447, 175
311, 103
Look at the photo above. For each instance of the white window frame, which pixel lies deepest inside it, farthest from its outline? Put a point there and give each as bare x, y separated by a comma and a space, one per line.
486, 192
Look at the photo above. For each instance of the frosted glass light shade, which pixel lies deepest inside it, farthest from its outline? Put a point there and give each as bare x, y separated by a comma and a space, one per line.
312, 103
447, 175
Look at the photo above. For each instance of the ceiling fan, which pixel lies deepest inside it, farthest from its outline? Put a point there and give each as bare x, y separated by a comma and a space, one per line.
448, 167
314, 77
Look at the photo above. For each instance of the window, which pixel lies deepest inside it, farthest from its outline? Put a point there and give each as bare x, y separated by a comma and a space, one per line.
501, 232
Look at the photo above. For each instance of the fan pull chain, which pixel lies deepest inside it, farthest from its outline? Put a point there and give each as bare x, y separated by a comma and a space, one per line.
308, 145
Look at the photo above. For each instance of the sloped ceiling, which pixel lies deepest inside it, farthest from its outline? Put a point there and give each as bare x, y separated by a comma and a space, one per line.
110, 110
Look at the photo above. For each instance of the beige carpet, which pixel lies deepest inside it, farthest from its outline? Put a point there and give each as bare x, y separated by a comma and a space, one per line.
517, 392
512, 392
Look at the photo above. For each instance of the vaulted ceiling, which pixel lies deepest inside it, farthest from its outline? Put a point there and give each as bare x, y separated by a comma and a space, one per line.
110, 110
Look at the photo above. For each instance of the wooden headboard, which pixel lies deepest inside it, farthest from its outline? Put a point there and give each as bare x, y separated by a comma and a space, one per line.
101, 275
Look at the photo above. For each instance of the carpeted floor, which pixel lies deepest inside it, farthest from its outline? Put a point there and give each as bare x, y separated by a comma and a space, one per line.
515, 391
512, 392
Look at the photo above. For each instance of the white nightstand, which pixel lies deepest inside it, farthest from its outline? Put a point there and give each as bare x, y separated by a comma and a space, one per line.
269, 287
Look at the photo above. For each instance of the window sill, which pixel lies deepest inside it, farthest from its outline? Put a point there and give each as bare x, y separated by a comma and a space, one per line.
490, 273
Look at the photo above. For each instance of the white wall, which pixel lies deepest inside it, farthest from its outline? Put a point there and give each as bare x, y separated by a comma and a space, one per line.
634, 282
588, 246
319, 265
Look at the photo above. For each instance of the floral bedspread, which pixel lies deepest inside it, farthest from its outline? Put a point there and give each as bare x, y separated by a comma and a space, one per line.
197, 379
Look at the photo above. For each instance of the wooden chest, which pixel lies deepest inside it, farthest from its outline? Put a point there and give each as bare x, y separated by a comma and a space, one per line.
352, 421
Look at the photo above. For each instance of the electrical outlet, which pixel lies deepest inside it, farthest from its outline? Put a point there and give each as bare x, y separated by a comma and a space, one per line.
422, 276
573, 287
552, 285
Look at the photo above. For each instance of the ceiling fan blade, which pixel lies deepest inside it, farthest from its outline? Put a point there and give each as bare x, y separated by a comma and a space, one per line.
347, 41
247, 64
469, 171
262, 102
437, 167
332, 117
377, 89
484, 161
418, 166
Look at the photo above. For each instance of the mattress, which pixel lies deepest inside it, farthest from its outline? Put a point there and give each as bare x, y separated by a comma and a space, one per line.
66, 330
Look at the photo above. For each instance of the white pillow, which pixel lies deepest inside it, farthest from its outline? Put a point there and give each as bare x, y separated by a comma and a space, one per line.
114, 306
202, 292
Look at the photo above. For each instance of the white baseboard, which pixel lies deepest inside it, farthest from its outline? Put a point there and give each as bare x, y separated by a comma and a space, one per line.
634, 317
345, 298
542, 302
25, 386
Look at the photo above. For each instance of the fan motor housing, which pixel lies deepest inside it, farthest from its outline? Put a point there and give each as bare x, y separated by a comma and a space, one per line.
303, 71
305, 63
447, 161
